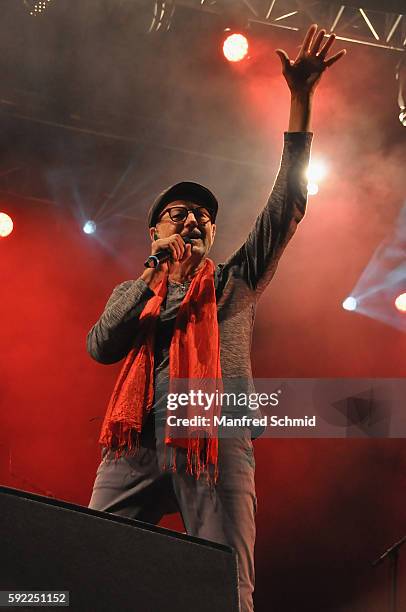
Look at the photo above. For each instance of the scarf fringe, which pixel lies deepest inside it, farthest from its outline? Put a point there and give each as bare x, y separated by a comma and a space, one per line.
199, 462
125, 441
122, 439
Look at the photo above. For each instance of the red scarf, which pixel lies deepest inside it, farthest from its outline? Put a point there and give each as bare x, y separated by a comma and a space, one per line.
194, 354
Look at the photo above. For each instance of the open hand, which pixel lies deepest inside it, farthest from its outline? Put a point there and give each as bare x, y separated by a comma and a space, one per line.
303, 74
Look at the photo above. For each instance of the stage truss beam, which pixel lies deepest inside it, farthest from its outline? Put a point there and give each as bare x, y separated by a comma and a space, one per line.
368, 22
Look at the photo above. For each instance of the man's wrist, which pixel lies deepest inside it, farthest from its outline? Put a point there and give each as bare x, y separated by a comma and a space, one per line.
300, 111
301, 97
148, 275
152, 277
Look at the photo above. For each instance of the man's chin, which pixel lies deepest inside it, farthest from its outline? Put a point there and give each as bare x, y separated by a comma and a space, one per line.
197, 244
199, 249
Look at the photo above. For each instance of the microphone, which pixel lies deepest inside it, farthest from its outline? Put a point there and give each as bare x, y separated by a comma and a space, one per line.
154, 261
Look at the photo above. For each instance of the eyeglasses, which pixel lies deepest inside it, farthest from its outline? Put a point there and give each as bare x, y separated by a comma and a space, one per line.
179, 214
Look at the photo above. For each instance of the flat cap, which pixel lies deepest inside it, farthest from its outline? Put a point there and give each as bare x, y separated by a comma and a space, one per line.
188, 191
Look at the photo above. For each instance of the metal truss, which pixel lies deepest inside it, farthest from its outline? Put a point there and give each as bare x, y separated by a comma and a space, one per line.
162, 15
362, 22
375, 23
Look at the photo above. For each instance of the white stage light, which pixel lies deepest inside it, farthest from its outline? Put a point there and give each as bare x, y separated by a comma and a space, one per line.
6, 225
89, 227
316, 171
350, 303
400, 302
36, 7
235, 47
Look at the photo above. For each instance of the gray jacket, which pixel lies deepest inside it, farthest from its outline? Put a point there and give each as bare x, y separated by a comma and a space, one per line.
239, 281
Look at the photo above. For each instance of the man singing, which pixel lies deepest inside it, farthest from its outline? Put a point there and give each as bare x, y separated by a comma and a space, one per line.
187, 319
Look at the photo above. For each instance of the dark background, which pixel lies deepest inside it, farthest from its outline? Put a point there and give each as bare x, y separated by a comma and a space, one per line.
96, 118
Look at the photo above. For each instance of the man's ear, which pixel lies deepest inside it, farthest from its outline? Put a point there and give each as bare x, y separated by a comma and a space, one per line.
213, 231
153, 233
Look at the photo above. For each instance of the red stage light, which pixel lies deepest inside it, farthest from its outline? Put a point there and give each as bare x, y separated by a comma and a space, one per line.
400, 302
6, 225
235, 47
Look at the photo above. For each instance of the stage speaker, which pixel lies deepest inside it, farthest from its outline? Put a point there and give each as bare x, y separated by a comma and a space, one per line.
110, 563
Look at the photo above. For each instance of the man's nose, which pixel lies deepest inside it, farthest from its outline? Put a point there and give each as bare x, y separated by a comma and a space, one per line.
191, 219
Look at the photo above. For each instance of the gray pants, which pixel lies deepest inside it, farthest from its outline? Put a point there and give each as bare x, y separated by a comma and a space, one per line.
138, 488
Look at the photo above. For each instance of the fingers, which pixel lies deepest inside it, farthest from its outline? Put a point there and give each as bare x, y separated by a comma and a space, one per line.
327, 46
175, 253
334, 58
173, 243
285, 61
187, 252
308, 40
179, 250
177, 247
317, 42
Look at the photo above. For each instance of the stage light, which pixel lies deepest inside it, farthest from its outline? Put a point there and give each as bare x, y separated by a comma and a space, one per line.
316, 171
350, 303
6, 225
401, 77
89, 227
36, 7
400, 302
235, 47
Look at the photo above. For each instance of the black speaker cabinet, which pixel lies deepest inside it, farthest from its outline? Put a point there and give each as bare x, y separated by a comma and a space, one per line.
110, 563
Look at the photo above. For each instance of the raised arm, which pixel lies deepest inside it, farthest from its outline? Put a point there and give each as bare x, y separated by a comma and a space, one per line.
257, 258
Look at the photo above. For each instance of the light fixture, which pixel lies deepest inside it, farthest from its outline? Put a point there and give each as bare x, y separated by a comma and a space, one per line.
6, 225
350, 303
400, 302
89, 227
401, 77
315, 172
36, 7
235, 46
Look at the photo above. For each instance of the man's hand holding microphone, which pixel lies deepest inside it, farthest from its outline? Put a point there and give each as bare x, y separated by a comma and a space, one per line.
165, 252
